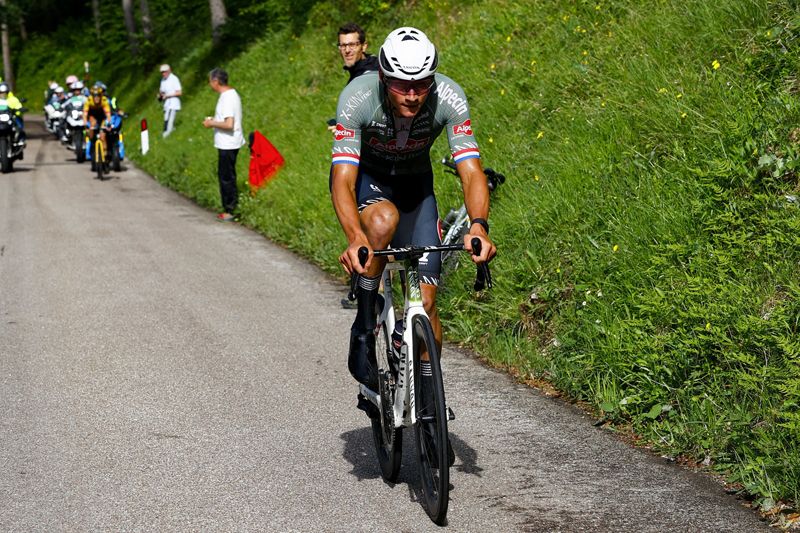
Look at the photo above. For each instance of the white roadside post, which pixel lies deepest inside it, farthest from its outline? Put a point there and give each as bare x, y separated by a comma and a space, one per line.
145, 137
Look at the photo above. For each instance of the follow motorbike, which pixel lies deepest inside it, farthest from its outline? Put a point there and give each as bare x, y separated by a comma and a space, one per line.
12, 144
73, 134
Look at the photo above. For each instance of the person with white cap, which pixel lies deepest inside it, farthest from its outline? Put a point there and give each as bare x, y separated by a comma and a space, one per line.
169, 92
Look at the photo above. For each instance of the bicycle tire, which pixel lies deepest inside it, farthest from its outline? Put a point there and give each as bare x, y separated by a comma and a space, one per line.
98, 157
388, 439
430, 429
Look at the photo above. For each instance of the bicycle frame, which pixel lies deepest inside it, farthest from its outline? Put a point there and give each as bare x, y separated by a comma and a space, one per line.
404, 398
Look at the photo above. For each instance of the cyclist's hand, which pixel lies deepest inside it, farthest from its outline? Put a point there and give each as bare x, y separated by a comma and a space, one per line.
488, 249
349, 258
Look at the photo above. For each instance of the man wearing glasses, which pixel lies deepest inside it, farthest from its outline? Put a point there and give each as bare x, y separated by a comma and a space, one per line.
382, 180
353, 47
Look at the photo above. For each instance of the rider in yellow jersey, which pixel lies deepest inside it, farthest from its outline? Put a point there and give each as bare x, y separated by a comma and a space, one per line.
97, 110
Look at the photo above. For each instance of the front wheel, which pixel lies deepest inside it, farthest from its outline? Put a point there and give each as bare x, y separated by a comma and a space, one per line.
115, 162
5, 161
388, 439
430, 429
99, 157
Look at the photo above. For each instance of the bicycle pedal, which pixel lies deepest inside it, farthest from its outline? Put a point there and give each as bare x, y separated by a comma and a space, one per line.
450, 414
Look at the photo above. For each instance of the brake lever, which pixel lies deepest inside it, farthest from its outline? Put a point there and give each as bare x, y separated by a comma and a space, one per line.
363, 254
483, 278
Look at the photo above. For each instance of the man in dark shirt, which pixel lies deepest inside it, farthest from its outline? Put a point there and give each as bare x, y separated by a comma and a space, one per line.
353, 47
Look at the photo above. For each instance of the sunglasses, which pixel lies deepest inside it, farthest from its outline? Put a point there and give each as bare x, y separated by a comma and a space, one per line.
420, 87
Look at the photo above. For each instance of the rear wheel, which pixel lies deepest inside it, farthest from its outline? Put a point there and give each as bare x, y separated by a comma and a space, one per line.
77, 142
388, 439
430, 429
5, 161
115, 165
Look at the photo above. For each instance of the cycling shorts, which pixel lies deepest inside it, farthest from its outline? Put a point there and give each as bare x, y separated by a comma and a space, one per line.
419, 216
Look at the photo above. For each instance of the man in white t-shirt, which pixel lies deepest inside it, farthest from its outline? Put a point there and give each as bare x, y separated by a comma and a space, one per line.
228, 139
169, 92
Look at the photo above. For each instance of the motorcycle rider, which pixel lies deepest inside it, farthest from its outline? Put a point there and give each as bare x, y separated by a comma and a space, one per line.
97, 111
15, 106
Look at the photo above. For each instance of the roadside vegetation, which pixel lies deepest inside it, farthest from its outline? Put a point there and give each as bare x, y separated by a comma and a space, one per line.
648, 232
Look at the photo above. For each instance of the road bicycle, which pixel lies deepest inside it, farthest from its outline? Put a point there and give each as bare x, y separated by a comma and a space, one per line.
405, 398
456, 223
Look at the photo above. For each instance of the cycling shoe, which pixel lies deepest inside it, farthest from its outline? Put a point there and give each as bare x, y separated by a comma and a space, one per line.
361, 360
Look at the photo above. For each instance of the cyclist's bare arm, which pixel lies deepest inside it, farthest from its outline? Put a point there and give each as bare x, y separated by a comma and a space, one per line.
343, 196
476, 199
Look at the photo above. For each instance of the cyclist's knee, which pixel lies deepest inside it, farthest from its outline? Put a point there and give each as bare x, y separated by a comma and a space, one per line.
429, 299
380, 220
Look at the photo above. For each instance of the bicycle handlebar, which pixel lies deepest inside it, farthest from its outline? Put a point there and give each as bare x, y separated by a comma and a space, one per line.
483, 278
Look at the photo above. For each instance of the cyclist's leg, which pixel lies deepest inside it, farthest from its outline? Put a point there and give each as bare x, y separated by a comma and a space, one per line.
378, 219
420, 227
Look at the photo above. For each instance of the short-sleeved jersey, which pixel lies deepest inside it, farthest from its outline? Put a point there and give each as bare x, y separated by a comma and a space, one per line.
368, 135
95, 110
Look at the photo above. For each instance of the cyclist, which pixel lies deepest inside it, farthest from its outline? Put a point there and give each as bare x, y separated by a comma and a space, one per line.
382, 180
97, 112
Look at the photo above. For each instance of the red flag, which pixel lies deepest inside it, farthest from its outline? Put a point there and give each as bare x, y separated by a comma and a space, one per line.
265, 160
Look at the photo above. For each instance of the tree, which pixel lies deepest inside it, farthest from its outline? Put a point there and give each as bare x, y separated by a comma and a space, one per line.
96, 16
147, 26
218, 18
130, 26
8, 72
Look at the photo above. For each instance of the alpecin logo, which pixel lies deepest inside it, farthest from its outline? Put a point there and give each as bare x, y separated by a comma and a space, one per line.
343, 133
465, 128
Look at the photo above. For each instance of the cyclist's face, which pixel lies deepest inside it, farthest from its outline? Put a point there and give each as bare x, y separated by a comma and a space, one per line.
351, 48
408, 97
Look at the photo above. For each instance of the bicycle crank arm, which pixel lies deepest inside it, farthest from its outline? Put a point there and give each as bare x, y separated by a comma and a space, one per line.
370, 395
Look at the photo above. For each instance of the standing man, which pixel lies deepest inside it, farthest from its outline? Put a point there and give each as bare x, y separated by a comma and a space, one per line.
228, 139
353, 47
169, 92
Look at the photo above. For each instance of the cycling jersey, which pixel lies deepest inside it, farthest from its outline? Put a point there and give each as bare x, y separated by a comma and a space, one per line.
368, 135
100, 112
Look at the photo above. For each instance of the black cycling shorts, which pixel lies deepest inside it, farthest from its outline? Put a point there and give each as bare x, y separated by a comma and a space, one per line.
419, 216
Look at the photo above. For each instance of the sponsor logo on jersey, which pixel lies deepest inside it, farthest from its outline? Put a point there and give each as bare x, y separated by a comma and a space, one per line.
343, 133
451, 97
411, 145
465, 128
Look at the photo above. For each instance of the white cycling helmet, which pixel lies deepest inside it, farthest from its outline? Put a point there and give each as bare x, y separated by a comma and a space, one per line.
59, 89
408, 54
4, 87
76, 85
72, 78
52, 86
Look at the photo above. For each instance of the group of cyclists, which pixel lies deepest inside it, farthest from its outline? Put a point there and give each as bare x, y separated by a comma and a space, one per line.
99, 111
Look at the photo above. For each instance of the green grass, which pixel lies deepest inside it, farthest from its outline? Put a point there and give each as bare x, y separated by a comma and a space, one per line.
647, 233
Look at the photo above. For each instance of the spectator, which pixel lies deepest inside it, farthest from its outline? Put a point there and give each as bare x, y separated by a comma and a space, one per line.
353, 47
169, 92
228, 139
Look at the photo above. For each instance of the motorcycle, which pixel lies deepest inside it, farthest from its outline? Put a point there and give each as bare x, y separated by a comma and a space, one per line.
73, 134
54, 117
11, 144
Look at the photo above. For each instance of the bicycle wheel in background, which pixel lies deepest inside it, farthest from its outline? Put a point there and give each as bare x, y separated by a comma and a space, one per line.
388, 439
430, 430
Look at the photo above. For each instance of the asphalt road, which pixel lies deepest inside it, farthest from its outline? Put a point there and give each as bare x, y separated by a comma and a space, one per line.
161, 371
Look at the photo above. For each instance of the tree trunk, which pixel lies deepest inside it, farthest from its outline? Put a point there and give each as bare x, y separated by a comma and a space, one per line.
96, 16
147, 27
130, 26
8, 72
218, 17
23, 30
